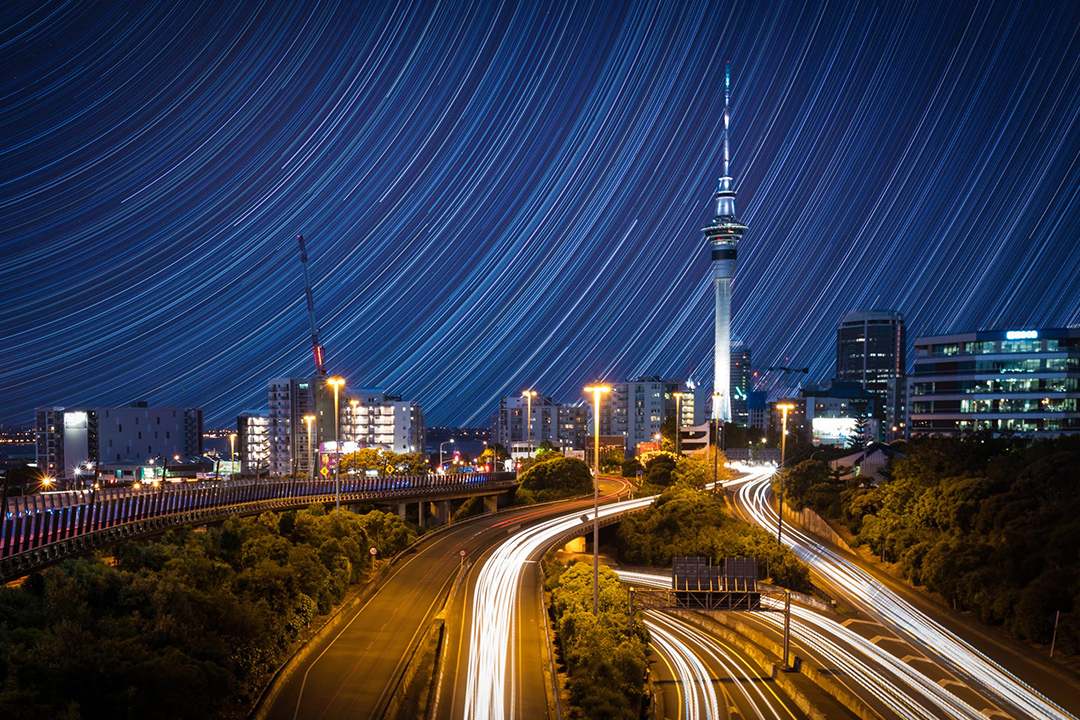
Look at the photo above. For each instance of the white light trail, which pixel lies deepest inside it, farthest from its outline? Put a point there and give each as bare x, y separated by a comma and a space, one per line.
892, 610
489, 693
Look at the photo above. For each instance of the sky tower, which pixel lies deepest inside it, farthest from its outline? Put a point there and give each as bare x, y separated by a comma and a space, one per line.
723, 235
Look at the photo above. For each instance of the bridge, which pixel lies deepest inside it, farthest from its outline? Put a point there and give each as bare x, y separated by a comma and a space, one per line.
39, 530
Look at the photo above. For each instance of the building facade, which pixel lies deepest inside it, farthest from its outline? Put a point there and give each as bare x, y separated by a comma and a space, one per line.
70, 442
1018, 381
253, 442
871, 349
562, 425
742, 380
366, 418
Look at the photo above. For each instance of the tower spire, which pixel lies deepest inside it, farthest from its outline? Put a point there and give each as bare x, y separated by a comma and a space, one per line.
723, 235
727, 117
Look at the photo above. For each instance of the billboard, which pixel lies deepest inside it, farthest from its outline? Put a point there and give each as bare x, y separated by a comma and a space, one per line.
832, 431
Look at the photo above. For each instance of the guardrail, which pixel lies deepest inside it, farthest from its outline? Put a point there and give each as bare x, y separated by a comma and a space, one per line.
38, 530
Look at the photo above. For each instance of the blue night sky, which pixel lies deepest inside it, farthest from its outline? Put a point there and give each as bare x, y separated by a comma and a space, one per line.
507, 195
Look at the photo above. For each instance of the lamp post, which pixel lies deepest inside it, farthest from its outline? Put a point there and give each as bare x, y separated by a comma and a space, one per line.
232, 451
784, 408
337, 383
445, 442
308, 420
528, 395
353, 403
716, 441
597, 391
678, 419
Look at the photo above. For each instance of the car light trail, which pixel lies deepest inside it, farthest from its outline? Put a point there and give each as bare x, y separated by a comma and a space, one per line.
492, 638
698, 695
892, 610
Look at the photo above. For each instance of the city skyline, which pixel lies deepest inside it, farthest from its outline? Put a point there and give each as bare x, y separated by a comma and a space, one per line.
501, 199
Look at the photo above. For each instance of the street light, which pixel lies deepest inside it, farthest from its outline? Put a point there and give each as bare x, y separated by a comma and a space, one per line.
597, 391
445, 442
716, 449
308, 420
337, 383
678, 419
529, 395
232, 447
354, 402
784, 408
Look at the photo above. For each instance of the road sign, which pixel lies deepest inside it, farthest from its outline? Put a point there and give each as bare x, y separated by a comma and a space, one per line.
374, 551
461, 553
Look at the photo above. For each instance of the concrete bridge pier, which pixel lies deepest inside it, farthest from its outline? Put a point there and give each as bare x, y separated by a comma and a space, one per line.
440, 512
491, 503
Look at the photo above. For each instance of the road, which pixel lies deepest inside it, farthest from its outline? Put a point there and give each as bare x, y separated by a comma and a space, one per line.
351, 673
918, 641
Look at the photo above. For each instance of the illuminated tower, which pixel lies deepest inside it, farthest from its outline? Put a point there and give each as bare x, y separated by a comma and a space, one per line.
723, 235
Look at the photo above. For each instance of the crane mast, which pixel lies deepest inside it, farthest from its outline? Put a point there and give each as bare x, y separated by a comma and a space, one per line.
316, 347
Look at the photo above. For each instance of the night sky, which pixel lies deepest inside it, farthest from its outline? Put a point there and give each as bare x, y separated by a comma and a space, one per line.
510, 195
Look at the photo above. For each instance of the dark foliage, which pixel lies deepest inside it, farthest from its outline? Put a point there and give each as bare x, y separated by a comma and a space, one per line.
187, 626
686, 522
606, 666
559, 477
990, 523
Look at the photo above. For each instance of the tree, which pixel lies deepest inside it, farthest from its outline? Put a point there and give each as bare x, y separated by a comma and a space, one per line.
556, 478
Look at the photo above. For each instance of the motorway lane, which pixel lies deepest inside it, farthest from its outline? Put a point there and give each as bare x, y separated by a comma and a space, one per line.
349, 673
918, 633
714, 679
512, 659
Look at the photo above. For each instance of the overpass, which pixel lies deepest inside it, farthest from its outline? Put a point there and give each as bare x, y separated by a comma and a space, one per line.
39, 530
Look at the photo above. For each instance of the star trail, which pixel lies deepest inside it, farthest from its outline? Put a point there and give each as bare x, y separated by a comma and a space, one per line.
506, 195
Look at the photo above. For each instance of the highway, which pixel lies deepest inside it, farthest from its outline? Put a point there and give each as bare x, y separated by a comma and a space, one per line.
351, 673
955, 678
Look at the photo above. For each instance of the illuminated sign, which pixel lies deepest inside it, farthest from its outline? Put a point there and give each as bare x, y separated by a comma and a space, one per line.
1022, 335
833, 431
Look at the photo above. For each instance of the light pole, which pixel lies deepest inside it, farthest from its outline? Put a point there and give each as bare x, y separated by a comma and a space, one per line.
337, 383
716, 447
308, 420
678, 419
597, 391
784, 408
445, 442
353, 403
232, 451
528, 395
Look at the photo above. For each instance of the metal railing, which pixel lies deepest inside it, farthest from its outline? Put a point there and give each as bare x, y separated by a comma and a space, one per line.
38, 530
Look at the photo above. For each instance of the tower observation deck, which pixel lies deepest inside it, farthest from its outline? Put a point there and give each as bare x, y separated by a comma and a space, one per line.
723, 235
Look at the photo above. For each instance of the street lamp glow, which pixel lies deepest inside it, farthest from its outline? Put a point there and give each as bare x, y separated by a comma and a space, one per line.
337, 383
445, 442
528, 395
232, 446
597, 391
716, 398
678, 418
783, 408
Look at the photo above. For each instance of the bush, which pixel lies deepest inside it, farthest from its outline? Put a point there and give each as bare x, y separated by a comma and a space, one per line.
553, 479
186, 626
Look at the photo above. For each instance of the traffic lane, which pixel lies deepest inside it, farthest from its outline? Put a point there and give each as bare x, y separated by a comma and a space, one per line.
378, 633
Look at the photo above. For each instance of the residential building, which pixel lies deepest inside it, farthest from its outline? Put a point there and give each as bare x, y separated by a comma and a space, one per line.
524, 423
253, 442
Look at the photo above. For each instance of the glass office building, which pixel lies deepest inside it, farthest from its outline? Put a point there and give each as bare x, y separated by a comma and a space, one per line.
1021, 381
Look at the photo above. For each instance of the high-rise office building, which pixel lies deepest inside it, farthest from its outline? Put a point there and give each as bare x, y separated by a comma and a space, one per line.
871, 349
253, 442
741, 382
723, 235
1018, 381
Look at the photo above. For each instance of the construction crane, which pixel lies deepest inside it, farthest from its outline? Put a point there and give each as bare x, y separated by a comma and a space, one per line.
316, 347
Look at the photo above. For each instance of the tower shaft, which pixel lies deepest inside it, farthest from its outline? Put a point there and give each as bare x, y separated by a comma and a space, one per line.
723, 235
